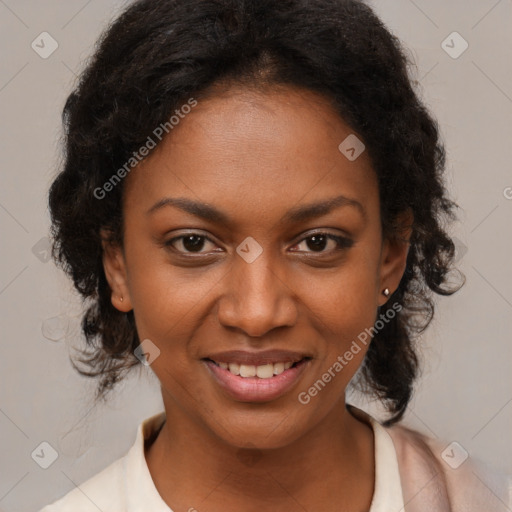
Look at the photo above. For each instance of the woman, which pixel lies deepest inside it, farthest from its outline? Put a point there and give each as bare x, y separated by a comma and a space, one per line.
252, 201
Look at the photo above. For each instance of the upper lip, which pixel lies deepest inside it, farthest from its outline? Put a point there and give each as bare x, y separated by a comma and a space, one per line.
257, 358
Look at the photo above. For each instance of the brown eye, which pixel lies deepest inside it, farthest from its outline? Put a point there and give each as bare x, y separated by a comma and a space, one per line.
318, 242
190, 243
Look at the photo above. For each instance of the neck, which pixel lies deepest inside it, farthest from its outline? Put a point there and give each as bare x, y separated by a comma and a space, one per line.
331, 467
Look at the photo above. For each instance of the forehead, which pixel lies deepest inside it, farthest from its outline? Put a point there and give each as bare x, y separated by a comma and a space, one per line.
254, 152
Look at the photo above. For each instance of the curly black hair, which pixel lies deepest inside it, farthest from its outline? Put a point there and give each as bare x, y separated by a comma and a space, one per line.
159, 53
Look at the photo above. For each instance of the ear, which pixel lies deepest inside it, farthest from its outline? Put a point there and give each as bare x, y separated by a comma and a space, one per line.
394, 256
115, 271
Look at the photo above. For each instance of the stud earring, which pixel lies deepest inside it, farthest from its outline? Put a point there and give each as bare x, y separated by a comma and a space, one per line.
386, 292
121, 299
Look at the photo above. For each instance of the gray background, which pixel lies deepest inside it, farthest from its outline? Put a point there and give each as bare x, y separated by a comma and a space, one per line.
465, 393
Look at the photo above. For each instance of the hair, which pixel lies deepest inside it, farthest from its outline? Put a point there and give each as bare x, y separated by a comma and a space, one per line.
159, 53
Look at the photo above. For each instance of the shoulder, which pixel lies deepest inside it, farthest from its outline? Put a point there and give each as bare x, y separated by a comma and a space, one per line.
445, 477
103, 491
122, 484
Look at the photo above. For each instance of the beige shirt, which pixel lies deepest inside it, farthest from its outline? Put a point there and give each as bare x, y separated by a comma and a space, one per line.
126, 485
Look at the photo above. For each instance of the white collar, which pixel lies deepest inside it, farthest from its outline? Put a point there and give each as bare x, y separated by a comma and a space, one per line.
142, 495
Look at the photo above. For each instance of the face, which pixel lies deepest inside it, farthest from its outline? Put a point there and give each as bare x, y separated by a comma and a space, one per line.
253, 243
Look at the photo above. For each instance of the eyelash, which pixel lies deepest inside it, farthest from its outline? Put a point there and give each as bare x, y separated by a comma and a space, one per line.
341, 242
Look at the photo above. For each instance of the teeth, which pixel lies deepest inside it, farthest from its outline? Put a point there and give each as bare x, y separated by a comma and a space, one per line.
247, 370
234, 368
265, 371
278, 368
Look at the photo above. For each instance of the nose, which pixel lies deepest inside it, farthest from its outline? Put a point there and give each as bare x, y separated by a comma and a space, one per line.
257, 298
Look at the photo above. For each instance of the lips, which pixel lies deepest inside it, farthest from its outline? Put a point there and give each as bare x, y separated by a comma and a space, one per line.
264, 371
256, 376
257, 358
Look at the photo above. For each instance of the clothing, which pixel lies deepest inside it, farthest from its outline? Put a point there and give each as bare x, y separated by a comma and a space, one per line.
430, 484
408, 471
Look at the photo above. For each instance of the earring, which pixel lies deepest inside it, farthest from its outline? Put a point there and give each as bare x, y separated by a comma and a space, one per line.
386, 292
121, 299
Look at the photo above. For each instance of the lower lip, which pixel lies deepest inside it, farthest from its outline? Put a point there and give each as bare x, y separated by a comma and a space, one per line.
254, 389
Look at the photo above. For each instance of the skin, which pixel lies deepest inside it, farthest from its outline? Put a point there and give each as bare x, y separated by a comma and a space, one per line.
255, 155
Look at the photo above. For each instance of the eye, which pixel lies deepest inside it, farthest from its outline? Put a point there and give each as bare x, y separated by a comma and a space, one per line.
190, 243
318, 242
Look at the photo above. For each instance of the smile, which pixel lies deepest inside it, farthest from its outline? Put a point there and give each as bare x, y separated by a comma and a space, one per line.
256, 383
265, 371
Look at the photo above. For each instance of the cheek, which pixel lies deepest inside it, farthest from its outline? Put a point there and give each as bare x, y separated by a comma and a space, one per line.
164, 296
166, 309
346, 296
343, 308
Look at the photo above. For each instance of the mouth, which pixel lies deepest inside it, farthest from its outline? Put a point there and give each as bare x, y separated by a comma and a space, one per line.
256, 382
264, 371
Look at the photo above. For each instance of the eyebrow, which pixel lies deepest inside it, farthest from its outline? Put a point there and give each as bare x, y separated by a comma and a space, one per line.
300, 213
